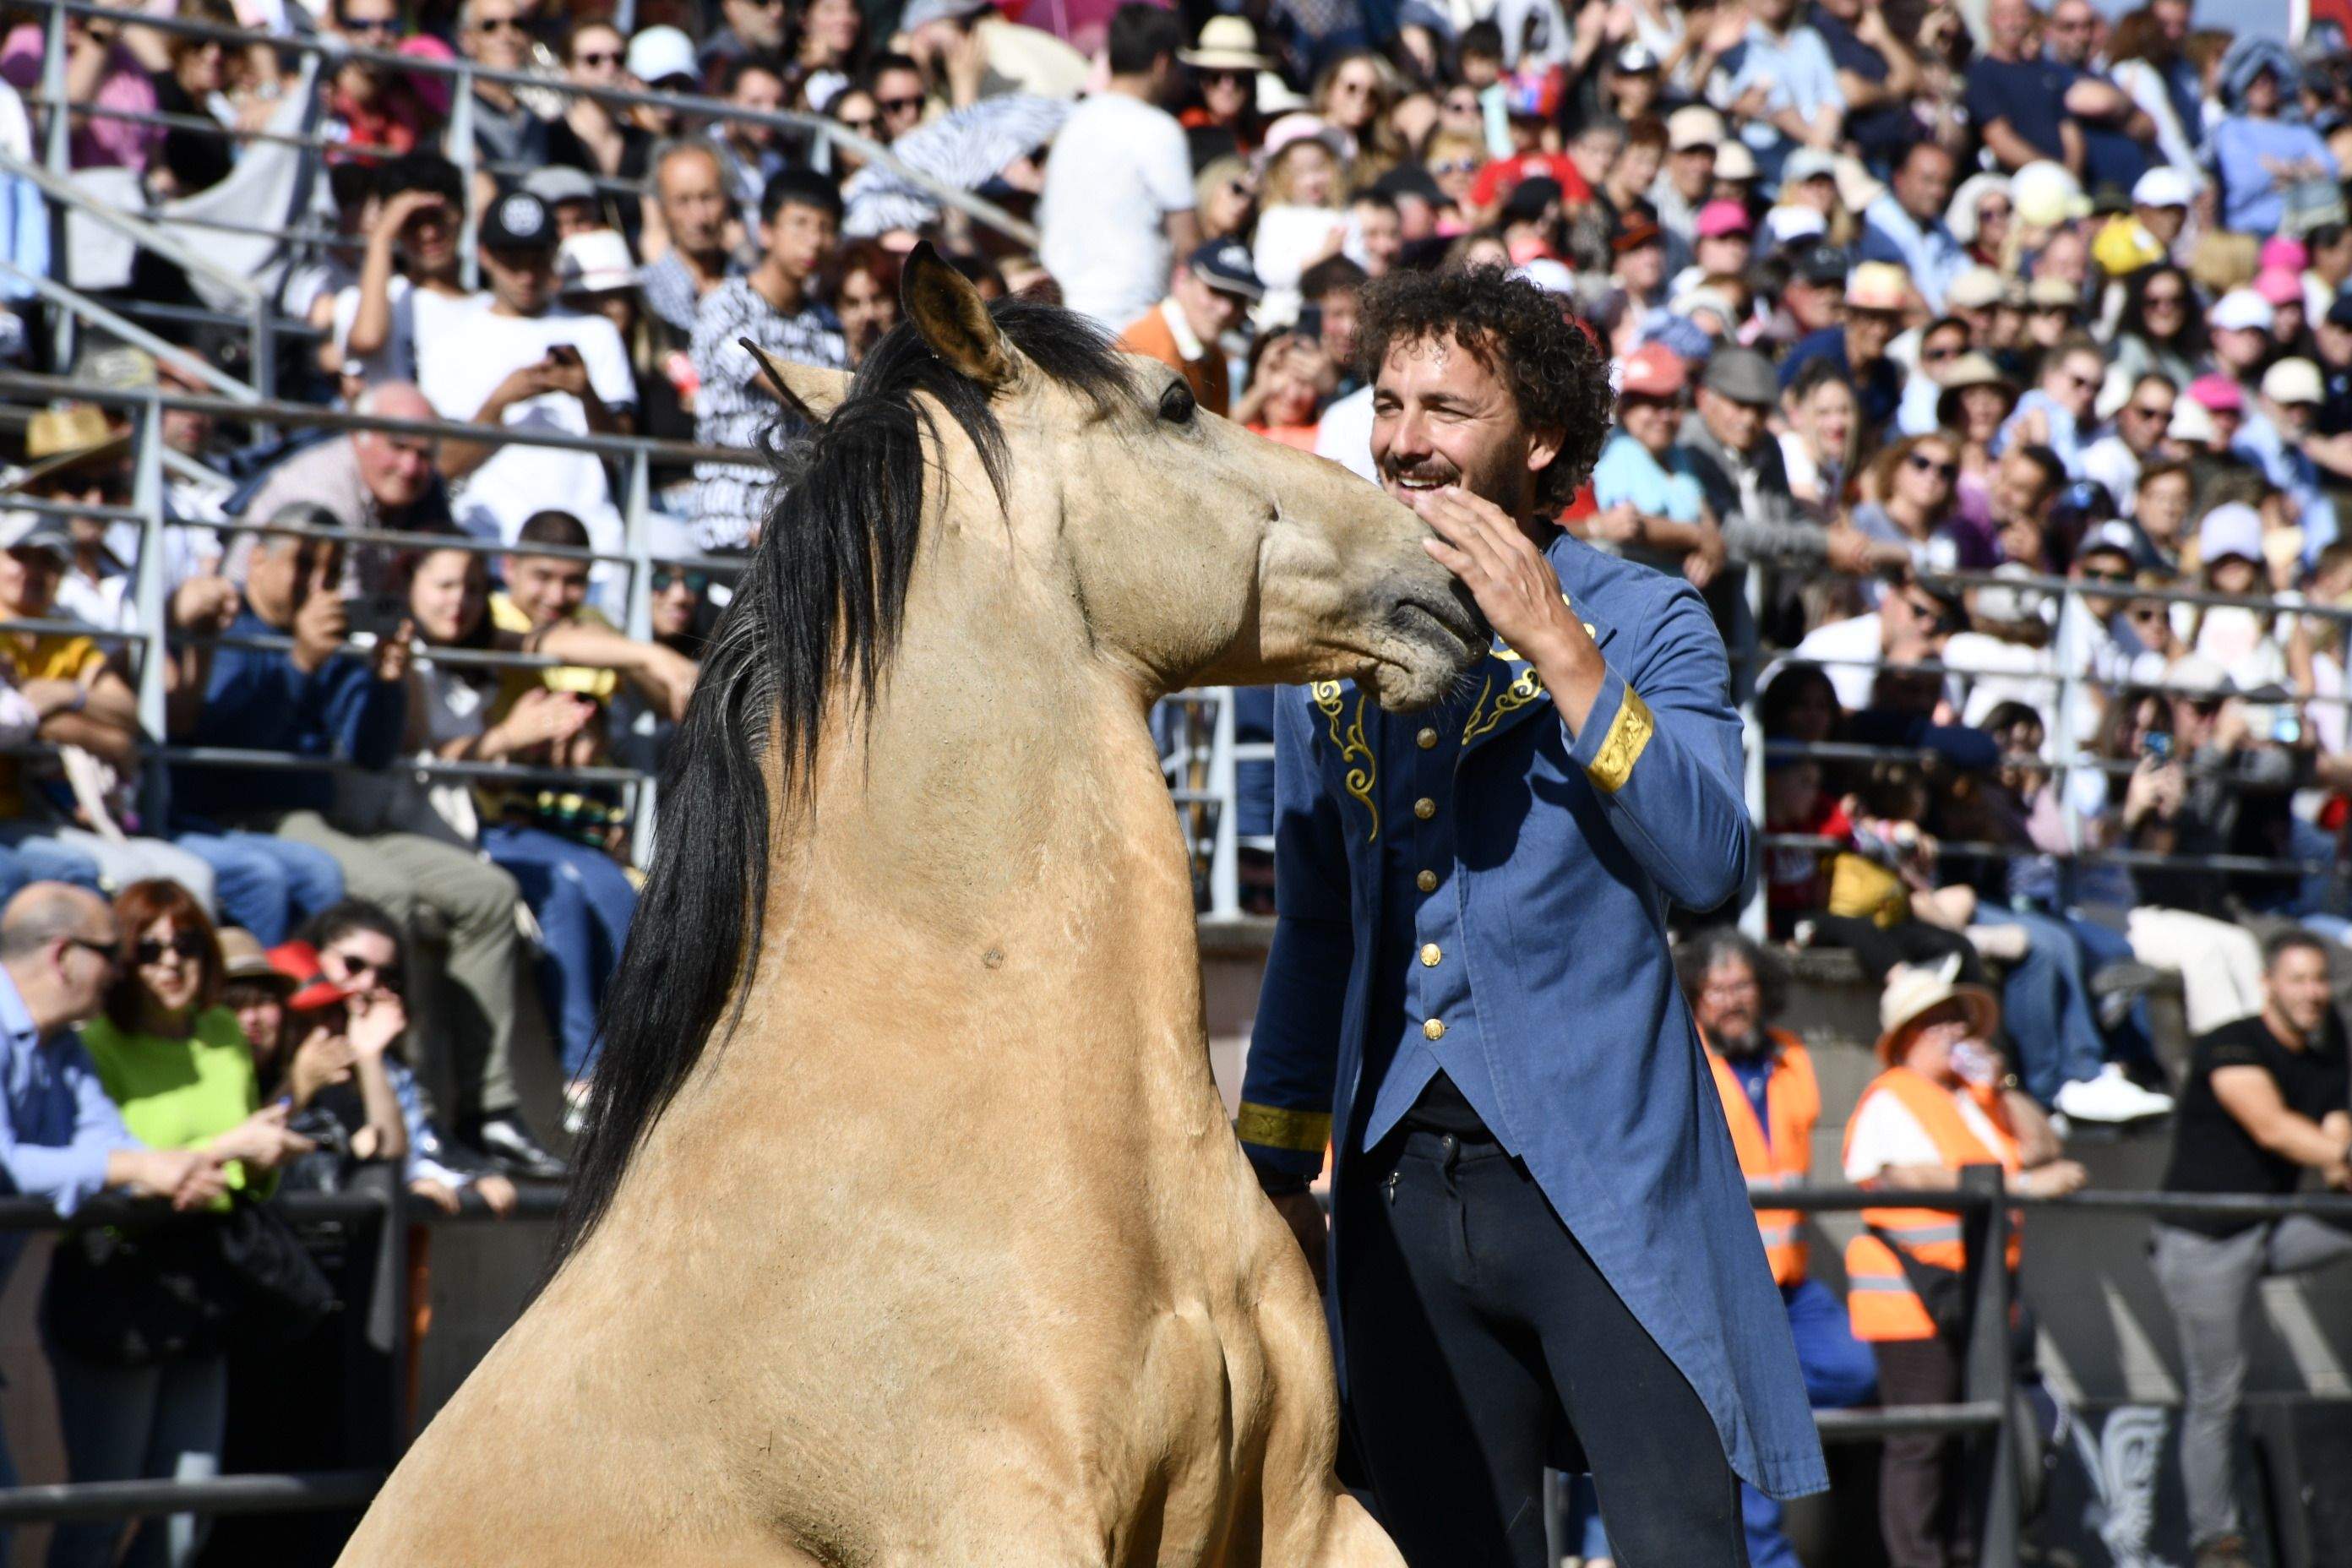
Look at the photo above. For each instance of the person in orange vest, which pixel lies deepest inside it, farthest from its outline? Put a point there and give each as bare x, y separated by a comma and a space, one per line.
1770, 1103
1946, 1101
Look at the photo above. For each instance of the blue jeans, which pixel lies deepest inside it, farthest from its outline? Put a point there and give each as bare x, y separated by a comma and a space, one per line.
582, 902
265, 883
2046, 1001
133, 1423
1840, 1372
28, 860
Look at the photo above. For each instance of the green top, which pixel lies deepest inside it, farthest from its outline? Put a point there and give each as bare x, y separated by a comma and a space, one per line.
179, 1094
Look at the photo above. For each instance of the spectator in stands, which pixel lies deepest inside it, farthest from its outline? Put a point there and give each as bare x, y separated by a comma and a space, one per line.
969, 51
685, 249
409, 287
519, 358
1875, 296
1651, 509
2057, 412
197, 72
895, 83
1822, 435
748, 28
508, 135
2114, 459
2267, 1100
61, 688
2263, 159
1117, 204
1210, 295
1774, 77
863, 287
320, 701
1944, 1103
1329, 294
61, 1139
336, 1076
384, 479
1693, 134
595, 136
173, 1060
751, 152
104, 70
380, 111
775, 306
1291, 380
1905, 225
1771, 1102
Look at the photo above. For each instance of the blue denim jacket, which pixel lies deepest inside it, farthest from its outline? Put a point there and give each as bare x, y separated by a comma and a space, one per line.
1543, 860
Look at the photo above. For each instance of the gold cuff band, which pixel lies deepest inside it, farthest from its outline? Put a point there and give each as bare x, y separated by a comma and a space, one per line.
1629, 735
1304, 1131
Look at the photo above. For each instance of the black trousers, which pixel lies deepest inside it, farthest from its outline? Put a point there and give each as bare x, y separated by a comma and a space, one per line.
1483, 1343
1923, 1509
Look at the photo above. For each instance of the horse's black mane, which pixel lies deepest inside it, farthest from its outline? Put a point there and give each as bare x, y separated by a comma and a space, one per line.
816, 614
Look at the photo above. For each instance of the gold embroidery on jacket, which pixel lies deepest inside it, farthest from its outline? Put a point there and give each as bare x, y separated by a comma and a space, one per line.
1628, 732
1353, 745
1529, 688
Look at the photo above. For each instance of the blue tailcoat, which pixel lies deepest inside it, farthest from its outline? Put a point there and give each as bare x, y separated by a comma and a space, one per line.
1542, 862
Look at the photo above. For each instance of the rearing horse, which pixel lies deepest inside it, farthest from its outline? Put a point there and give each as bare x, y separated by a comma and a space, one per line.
910, 1228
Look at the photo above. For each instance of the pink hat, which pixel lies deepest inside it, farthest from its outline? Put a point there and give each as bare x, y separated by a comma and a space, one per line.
2217, 394
1719, 218
2280, 250
432, 90
2279, 285
1653, 370
1293, 128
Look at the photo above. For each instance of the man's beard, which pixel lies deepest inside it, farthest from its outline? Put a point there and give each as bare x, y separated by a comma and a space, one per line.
1741, 1046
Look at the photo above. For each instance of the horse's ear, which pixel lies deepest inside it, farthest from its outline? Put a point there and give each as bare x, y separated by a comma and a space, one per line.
810, 391
953, 319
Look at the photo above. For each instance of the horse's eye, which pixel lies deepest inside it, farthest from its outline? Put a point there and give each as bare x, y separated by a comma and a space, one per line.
1176, 404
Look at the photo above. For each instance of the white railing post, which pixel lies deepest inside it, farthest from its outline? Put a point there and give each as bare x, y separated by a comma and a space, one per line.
1746, 680
1224, 856
462, 152
56, 148
151, 593
637, 524
2067, 648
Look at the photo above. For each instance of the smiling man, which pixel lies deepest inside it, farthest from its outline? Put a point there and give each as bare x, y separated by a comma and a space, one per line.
1542, 1249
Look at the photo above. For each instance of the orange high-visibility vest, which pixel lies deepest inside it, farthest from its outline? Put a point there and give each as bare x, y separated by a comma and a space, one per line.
1793, 1104
1879, 1298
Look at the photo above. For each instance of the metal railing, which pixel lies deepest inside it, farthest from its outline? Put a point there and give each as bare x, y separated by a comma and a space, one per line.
1985, 1416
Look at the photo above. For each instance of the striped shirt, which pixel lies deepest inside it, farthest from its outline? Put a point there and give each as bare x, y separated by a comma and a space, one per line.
732, 408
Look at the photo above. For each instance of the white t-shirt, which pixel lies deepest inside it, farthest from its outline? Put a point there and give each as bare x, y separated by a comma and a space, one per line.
1345, 435
416, 313
1117, 169
1886, 1133
461, 361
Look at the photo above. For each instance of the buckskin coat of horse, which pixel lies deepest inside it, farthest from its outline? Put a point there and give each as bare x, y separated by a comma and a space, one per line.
910, 1228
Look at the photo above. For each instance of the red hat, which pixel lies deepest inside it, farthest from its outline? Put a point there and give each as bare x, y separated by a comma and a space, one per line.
299, 962
1653, 370
1717, 219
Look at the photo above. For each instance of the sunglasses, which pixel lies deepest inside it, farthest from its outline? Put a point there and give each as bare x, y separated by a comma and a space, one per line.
602, 57
187, 944
666, 580
103, 951
2111, 578
370, 26
1929, 466
514, 25
899, 105
1229, 77
2166, 301
1938, 356
2145, 613
2146, 413
359, 971
1455, 166
865, 124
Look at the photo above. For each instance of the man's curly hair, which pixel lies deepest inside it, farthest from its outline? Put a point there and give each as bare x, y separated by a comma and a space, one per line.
1557, 376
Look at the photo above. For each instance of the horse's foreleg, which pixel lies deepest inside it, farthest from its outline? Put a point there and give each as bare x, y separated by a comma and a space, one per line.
1350, 1540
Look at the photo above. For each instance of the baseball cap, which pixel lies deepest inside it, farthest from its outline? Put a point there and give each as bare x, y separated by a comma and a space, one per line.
2162, 186
1695, 126
1975, 288
2191, 425
1225, 264
1877, 286
554, 182
1653, 370
40, 532
2232, 529
2294, 380
1637, 230
1785, 226
1717, 219
1821, 265
2217, 394
1744, 376
1303, 127
2279, 286
2198, 673
2283, 250
923, 12
658, 54
1635, 57
518, 221
2113, 537
1548, 273
1733, 161
1530, 196
595, 262
1809, 163
2242, 310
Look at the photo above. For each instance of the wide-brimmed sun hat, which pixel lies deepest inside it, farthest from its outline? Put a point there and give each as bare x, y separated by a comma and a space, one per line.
1913, 991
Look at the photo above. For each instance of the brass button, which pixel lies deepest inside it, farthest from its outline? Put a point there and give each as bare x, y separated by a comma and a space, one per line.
1430, 955
1434, 1029
1426, 882
1427, 739
1424, 808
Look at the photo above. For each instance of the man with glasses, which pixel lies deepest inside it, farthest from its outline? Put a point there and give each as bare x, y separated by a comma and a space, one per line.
2057, 413
1693, 134
508, 134
1877, 295
2114, 459
366, 479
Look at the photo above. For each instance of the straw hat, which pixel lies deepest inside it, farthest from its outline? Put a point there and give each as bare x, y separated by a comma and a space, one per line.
243, 958
1912, 990
1971, 369
1226, 44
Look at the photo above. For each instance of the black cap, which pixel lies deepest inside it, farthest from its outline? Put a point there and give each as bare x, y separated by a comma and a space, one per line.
1530, 196
1411, 180
1820, 265
1225, 264
518, 221
2340, 314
